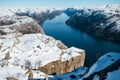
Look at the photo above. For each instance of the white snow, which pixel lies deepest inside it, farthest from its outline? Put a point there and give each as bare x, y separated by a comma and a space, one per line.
96, 77
104, 61
78, 73
12, 71
71, 52
27, 46
114, 75
29, 50
33, 48
6, 12
39, 51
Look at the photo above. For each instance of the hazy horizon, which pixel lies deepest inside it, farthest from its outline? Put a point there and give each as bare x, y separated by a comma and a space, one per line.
55, 3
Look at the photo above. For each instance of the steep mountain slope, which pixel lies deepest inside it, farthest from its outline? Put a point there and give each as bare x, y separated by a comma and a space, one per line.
104, 67
39, 14
101, 21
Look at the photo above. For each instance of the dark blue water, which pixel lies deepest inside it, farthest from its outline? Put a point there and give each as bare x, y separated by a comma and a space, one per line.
93, 47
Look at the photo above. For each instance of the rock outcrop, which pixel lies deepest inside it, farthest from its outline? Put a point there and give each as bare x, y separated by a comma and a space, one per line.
106, 68
62, 67
48, 57
25, 49
30, 73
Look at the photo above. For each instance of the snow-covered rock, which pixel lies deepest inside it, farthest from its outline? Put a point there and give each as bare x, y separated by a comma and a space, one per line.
39, 14
106, 68
21, 24
6, 12
114, 75
74, 75
5, 16
25, 49
11, 71
36, 50
101, 21
70, 59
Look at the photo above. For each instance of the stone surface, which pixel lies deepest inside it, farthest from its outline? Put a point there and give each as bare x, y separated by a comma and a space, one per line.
59, 67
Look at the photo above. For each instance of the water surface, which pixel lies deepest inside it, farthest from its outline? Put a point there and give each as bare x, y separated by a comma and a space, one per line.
93, 47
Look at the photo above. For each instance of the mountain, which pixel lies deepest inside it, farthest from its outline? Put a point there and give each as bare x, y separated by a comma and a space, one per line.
27, 52
39, 14
102, 21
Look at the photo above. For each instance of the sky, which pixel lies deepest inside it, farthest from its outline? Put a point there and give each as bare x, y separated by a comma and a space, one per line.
54, 3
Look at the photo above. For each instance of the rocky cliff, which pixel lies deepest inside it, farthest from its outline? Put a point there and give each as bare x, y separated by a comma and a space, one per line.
106, 67
26, 52
64, 66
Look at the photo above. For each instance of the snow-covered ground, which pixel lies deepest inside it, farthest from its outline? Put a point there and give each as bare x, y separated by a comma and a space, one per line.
32, 51
34, 47
103, 62
6, 12
20, 52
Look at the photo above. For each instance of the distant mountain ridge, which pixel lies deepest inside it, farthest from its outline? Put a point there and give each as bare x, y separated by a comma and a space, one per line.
101, 22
